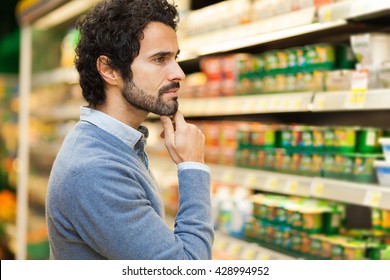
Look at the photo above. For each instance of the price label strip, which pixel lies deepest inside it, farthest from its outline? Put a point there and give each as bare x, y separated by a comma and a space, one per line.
372, 198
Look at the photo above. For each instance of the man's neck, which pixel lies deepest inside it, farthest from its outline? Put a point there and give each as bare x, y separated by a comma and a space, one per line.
121, 110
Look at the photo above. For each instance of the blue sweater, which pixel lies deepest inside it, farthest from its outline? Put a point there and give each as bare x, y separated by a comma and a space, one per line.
102, 203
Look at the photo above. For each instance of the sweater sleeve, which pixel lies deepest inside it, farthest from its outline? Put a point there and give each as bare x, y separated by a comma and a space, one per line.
193, 223
114, 217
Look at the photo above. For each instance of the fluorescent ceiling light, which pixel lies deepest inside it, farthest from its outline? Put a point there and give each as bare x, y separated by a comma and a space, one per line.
63, 13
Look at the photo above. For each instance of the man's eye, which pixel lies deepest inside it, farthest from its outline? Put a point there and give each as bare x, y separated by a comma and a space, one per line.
160, 59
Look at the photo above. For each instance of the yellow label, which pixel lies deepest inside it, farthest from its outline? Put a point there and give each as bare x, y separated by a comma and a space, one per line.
320, 104
318, 189
221, 244
250, 180
227, 177
249, 254
271, 183
328, 14
358, 94
357, 97
372, 198
291, 187
234, 249
265, 257
297, 103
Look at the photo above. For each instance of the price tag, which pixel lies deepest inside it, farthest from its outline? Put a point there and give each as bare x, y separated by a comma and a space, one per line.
195, 109
212, 104
372, 198
263, 256
327, 14
358, 94
234, 249
206, 108
250, 180
248, 253
221, 244
357, 99
284, 104
230, 106
291, 187
276, 104
242, 106
248, 105
227, 176
317, 189
320, 102
261, 106
271, 183
297, 103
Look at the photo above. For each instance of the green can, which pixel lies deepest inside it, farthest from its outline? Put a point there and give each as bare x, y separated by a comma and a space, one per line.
328, 167
329, 139
376, 219
367, 141
345, 139
347, 171
364, 170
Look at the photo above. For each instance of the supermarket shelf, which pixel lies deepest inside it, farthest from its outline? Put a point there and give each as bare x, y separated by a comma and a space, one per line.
235, 248
346, 100
10, 230
349, 192
57, 76
254, 104
370, 195
226, 246
287, 102
37, 190
353, 10
57, 114
242, 105
259, 32
45, 13
280, 27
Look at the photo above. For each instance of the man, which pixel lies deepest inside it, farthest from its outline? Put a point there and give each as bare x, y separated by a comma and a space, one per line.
102, 202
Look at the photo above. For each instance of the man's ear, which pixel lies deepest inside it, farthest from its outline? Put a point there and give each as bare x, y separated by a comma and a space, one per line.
105, 70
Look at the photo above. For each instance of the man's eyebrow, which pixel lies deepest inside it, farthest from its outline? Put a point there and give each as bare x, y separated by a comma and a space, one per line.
165, 53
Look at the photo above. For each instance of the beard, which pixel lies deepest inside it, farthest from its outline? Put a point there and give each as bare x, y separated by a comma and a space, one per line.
141, 100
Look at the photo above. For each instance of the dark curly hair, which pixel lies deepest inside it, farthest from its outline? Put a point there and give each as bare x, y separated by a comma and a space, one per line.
114, 28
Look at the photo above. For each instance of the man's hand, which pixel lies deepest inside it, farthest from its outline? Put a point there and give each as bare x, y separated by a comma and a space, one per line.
184, 141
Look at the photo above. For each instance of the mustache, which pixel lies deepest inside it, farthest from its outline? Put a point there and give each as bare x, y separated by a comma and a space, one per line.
168, 87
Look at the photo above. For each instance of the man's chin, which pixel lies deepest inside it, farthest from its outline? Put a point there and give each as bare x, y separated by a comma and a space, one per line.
168, 111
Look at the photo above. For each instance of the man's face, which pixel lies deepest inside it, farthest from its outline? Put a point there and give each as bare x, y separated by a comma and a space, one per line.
156, 73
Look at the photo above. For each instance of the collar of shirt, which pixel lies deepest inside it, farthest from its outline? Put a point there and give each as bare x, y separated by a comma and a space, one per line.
117, 128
